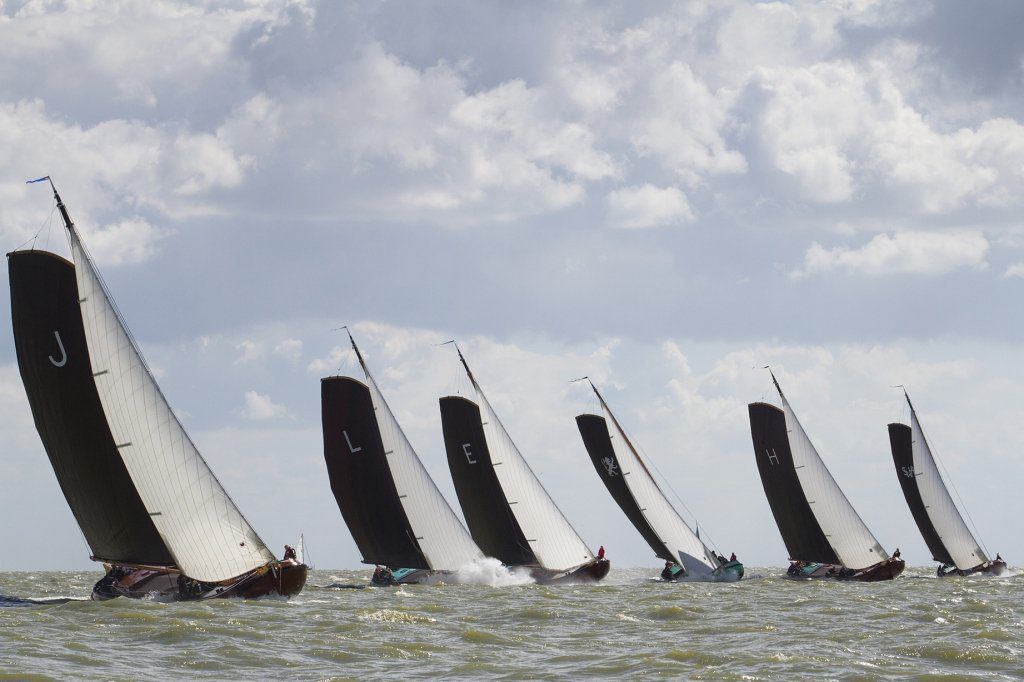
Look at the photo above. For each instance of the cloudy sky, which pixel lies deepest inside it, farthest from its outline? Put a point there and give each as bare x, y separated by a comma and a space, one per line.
665, 198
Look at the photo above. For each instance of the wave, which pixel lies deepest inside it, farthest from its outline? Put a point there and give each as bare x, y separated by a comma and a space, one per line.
493, 573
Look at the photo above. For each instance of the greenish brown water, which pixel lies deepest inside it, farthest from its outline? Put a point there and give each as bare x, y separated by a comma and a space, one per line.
769, 628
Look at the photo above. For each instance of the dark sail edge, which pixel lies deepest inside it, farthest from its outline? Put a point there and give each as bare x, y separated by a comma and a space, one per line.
488, 515
804, 538
361, 479
68, 415
901, 442
597, 440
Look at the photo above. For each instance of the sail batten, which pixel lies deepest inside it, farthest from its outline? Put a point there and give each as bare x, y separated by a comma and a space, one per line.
676, 540
851, 539
68, 414
487, 510
804, 538
557, 545
442, 538
553, 542
937, 516
205, 532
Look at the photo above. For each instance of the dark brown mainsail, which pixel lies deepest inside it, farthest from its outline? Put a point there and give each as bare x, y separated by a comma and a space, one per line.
55, 369
488, 516
903, 458
597, 441
361, 480
800, 531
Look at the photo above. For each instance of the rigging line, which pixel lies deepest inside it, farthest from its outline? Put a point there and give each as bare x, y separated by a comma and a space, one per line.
714, 545
903, 403
764, 394
641, 452
595, 399
455, 382
949, 479
346, 356
73, 237
47, 222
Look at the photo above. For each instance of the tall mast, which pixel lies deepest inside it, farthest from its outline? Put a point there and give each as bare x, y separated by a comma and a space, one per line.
905, 395
462, 359
359, 356
68, 223
775, 381
207, 535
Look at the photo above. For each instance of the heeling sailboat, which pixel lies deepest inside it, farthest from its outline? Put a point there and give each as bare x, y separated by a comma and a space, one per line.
950, 540
624, 473
397, 516
824, 535
508, 511
216, 552
54, 363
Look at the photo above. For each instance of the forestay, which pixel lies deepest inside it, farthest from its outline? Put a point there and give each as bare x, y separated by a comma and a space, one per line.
442, 538
659, 512
853, 543
552, 539
945, 517
204, 530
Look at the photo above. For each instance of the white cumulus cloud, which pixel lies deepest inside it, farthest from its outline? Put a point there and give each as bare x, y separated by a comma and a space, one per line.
129, 241
648, 206
250, 350
259, 407
289, 349
921, 253
1015, 270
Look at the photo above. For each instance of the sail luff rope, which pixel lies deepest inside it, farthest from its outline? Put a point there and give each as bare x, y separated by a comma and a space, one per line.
497, 420
640, 451
785, 404
72, 236
946, 476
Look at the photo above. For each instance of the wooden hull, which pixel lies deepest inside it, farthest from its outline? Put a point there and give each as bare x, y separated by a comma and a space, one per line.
284, 578
411, 576
883, 570
591, 572
726, 573
992, 568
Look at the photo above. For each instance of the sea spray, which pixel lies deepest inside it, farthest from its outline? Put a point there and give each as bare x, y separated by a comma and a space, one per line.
488, 571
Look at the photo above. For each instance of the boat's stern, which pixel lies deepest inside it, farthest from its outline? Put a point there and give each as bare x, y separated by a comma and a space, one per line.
285, 578
730, 572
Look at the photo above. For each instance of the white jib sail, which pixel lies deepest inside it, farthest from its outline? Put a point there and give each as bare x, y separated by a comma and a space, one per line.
949, 524
854, 544
442, 538
552, 539
659, 512
205, 532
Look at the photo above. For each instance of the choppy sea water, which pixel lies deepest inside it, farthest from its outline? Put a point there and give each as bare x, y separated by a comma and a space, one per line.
761, 628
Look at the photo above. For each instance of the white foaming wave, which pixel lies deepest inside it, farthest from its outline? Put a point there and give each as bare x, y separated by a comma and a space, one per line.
490, 571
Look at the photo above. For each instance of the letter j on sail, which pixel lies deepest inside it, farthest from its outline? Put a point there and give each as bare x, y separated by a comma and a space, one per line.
63, 354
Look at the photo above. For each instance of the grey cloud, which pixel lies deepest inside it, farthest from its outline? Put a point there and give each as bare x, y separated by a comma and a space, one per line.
438, 166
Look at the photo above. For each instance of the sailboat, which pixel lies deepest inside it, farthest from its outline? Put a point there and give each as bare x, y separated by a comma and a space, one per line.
950, 540
824, 535
625, 474
397, 516
147, 503
508, 511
